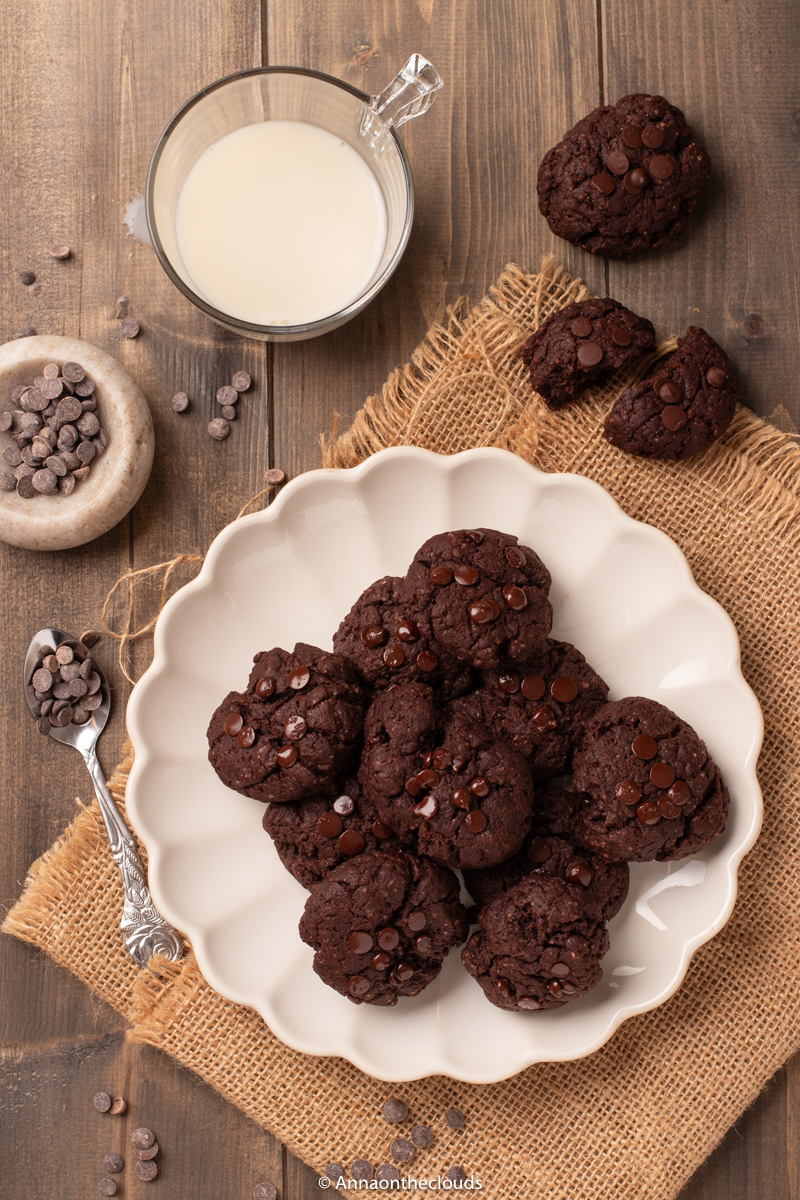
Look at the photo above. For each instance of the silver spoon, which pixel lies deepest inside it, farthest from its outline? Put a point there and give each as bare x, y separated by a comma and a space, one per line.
144, 930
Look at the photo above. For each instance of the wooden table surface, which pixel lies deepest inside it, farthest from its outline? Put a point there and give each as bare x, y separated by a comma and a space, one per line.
85, 90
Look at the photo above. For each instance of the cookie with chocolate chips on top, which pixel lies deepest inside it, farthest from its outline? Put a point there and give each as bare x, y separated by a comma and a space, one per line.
537, 948
449, 790
625, 179
538, 707
381, 925
294, 731
559, 854
486, 594
652, 790
315, 836
582, 345
684, 405
387, 636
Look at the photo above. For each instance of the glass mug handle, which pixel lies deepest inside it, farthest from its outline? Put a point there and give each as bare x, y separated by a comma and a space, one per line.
410, 94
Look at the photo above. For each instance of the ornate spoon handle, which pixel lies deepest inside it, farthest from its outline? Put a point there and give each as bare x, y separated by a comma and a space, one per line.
144, 930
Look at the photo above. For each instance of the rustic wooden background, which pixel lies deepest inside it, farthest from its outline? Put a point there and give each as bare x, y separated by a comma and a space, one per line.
86, 87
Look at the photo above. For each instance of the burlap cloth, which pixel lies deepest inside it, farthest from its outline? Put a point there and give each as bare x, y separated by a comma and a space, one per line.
638, 1117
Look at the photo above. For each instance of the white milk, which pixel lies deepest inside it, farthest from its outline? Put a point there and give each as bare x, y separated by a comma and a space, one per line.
280, 223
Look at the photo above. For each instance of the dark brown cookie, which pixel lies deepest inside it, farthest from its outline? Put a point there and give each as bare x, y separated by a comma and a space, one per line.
582, 345
625, 179
294, 731
604, 885
448, 789
653, 791
387, 636
487, 595
381, 925
540, 707
536, 947
682, 407
314, 836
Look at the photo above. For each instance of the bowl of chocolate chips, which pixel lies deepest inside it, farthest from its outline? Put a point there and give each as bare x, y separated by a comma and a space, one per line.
76, 442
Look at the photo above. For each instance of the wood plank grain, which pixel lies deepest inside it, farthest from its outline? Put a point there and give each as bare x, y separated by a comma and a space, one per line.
735, 274
515, 76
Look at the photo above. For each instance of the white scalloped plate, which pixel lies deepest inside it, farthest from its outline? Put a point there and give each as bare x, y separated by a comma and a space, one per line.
622, 592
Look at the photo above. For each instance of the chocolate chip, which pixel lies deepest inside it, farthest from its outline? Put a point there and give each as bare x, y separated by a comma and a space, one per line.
508, 682
661, 167
627, 792
146, 1171
60, 253
25, 331
56, 465
227, 395
648, 813
12, 455
264, 1191
219, 429
670, 392
401, 1150
662, 775
334, 1171
423, 944
84, 388
644, 746
179, 402
394, 656
632, 136
667, 808
475, 536
352, 842
462, 798
295, 727
673, 417
679, 793
25, 488
482, 612
142, 1138
102, 1101
421, 1136
440, 576
275, 475
466, 575
426, 808
107, 1187
381, 961
637, 179
361, 1168
402, 973
26, 277
533, 687
589, 354
81, 473
564, 689
146, 1155
652, 136
387, 1172
69, 409
475, 821
89, 637
329, 825
528, 1004
241, 381
581, 326
233, 723
515, 597
129, 327
246, 737
88, 425
298, 677
7, 481
544, 719
42, 680
344, 805
617, 162
265, 687
113, 1162
578, 871
454, 1118
380, 831
427, 661
408, 630
73, 372
359, 943
394, 1110
621, 336
539, 850
357, 985
716, 376
605, 184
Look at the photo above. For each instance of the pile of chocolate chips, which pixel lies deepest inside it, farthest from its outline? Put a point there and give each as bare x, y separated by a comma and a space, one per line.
66, 687
55, 433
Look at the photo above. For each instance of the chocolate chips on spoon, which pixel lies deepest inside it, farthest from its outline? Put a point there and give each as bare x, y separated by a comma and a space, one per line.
55, 433
67, 690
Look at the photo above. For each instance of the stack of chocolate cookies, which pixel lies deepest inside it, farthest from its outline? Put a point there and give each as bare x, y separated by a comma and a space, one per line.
440, 736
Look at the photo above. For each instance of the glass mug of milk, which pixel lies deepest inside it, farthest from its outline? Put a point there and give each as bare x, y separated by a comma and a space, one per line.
280, 200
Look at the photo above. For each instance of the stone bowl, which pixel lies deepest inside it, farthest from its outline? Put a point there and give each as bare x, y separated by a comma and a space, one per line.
117, 477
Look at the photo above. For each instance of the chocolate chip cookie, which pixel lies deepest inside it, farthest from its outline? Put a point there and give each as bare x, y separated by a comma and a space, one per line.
653, 791
381, 925
682, 407
387, 636
582, 345
314, 836
625, 179
296, 728
540, 707
605, 885
447, 788
536, 947
487, 595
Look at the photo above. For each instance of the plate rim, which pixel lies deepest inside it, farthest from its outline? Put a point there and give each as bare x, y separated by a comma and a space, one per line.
448, 463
